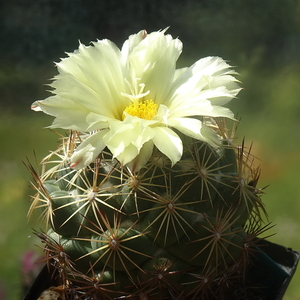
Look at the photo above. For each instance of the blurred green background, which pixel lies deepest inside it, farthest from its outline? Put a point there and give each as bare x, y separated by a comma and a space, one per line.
260, 38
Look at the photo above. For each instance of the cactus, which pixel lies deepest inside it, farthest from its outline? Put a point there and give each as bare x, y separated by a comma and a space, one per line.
157, 225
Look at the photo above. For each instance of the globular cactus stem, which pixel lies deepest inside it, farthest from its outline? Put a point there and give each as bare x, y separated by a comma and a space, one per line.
160, 229
164, 230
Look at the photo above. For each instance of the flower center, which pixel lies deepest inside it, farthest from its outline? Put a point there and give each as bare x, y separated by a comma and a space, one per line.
143, 109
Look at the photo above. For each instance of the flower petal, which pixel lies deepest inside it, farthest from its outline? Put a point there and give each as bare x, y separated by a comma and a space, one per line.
68, 87
131, 43
88, 150
196, 129
153, 60
208, 82
168, 142
93, 76
129, 153
69, 114
132, 131
97, 121
142, 158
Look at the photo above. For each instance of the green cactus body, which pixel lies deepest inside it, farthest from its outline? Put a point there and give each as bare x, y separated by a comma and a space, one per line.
160, 231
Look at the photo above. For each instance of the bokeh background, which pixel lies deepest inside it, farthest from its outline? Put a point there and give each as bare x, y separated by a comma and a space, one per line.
260, 38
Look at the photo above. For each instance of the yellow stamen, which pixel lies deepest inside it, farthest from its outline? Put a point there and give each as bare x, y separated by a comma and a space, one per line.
145, 110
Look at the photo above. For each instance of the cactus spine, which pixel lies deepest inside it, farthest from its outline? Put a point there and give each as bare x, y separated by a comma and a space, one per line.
163, 232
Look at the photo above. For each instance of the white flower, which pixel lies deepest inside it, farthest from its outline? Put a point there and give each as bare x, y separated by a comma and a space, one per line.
130, 100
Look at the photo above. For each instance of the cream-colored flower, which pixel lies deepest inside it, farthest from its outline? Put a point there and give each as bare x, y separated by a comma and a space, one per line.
130, 100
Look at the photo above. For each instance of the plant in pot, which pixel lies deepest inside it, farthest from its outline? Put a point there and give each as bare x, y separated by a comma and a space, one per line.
147, 195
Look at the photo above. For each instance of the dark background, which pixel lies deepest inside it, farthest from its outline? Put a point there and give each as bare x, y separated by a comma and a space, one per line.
261, 38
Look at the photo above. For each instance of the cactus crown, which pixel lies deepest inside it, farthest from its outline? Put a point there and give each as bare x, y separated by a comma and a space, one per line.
175, 219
